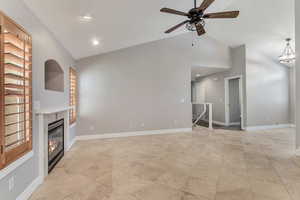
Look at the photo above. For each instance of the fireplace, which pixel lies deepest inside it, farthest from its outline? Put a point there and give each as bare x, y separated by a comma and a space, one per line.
55, 143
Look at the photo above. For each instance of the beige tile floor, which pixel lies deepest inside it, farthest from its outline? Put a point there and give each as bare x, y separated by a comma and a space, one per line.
202, 165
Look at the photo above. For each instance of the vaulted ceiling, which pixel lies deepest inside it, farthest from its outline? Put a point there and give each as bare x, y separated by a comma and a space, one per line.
121, 24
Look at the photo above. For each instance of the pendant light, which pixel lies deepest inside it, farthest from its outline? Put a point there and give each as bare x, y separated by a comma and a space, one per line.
288, 56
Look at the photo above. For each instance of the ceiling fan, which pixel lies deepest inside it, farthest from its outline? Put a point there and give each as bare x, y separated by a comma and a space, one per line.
196, 17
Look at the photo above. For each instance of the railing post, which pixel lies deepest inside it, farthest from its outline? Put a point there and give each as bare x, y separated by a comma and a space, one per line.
210, 116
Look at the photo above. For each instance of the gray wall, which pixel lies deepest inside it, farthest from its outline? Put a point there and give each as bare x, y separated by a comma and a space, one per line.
268, 87
234, 101
214, 93
238, 56
214, 84
44, 47
293, 95
297, 20
146, 87
72, 132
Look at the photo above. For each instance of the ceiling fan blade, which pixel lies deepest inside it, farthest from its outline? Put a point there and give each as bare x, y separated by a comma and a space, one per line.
176, 27
229, 14
175, 12
205, 4
200, 29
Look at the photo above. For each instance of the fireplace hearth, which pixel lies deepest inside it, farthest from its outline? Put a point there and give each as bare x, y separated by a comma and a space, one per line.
55, 143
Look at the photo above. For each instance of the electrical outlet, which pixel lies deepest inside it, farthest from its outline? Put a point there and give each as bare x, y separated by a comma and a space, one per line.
11, 183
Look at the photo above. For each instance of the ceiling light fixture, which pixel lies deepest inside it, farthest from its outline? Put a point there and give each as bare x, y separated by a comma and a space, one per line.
193, 26
288, 56
86, 18
95, 42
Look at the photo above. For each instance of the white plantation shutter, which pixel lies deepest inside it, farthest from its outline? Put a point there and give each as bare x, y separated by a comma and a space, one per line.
16, 91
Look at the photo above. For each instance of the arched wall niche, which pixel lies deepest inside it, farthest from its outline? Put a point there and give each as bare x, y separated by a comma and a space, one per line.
54, 76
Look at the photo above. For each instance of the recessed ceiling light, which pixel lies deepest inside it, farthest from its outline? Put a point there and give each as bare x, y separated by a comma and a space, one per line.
95, 42
86, 18
198, 75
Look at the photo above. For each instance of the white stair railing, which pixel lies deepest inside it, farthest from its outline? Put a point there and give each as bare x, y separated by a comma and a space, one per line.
203, 113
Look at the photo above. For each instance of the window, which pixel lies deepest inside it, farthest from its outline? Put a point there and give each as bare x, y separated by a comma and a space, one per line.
15, 92
73, 95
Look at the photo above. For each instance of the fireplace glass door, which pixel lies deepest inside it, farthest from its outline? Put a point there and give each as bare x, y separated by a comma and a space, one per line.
55, 143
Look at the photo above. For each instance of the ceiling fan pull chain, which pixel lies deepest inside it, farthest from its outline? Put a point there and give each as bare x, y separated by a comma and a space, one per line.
193, 44
194, 40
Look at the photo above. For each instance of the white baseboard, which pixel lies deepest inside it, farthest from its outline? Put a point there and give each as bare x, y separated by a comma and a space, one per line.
216, 122
129, 134
30, 189
297, 152
71, 143
267, 127
219, 123
234, 123
224, 124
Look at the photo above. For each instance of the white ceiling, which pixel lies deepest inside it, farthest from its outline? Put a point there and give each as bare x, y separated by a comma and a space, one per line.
121, 24
263, 25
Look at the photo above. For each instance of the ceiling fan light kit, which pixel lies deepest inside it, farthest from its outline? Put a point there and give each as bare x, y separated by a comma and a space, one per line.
196, 17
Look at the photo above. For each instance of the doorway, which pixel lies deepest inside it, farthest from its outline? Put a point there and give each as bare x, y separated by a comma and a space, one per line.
234, 102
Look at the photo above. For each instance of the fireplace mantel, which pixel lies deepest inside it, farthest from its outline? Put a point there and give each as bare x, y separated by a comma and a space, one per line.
49, 111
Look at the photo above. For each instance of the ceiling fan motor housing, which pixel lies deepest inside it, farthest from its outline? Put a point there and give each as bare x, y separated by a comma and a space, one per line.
195, 14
